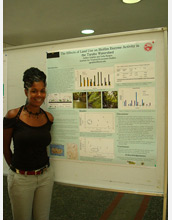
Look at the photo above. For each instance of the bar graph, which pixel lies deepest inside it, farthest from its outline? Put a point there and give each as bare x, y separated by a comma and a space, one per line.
137, 98
136, 103
94, 78
98, 80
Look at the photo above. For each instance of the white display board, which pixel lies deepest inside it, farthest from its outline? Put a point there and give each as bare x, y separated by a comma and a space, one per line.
5, 166
149, 80
4, 84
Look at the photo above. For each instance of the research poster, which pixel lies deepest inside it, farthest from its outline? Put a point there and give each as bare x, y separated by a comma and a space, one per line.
103, 100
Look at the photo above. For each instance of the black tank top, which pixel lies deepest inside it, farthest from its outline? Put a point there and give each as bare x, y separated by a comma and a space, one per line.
30, 143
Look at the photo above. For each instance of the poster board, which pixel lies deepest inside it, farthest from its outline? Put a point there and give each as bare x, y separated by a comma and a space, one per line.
128, 177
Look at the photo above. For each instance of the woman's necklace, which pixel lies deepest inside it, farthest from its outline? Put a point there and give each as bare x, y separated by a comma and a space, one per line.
33, 114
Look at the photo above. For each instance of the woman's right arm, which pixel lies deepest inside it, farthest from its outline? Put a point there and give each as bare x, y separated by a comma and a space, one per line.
7, 137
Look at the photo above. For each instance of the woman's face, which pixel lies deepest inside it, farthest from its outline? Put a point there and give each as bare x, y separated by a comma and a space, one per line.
36, 94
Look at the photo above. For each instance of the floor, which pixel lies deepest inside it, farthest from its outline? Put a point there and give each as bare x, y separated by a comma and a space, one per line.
73, 203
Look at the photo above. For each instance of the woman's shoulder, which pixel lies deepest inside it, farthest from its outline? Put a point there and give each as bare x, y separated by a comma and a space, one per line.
12, 113
50, 116
10, 118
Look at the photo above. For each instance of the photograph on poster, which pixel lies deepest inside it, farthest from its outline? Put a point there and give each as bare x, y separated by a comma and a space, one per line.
79, 100
56, 150
94, 99
110, 99
72, 151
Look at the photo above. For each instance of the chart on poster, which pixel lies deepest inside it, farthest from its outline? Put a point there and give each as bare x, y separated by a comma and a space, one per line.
137, 98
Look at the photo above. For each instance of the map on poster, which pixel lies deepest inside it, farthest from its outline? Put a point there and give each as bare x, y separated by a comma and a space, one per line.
103, 100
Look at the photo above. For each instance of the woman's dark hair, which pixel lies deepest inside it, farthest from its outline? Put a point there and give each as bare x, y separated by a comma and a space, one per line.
33, 75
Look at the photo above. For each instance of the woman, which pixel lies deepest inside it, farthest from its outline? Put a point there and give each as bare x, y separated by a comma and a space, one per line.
30, 178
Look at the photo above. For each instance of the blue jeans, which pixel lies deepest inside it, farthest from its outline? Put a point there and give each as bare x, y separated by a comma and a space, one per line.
30, 195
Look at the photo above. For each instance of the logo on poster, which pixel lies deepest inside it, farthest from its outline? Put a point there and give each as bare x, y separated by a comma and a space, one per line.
148, 47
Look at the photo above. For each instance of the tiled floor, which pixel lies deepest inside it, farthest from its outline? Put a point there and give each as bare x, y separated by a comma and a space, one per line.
72, 203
